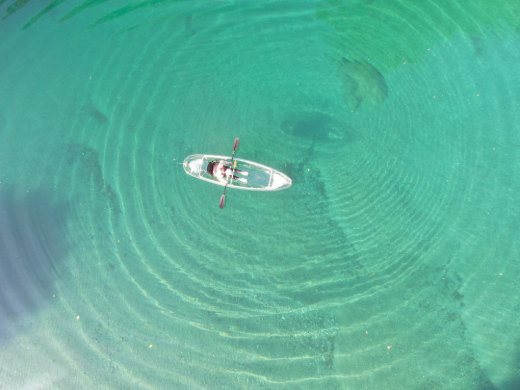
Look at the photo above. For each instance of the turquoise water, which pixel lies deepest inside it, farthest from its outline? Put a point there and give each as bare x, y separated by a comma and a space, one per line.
391, 263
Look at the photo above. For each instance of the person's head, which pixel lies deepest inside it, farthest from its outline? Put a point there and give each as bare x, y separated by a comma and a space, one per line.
211, 166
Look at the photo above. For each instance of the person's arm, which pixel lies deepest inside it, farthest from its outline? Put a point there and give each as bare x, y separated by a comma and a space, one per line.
222, 179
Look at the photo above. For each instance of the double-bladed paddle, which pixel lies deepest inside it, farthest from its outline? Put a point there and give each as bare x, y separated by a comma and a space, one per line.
222, 202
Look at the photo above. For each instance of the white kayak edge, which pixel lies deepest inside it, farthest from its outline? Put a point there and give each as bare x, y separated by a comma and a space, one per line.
273, 180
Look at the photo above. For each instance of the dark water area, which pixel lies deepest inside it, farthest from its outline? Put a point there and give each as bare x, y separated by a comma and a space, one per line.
33, 243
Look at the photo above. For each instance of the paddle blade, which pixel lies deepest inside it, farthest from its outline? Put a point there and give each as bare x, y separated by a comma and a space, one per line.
222, 202
235, 144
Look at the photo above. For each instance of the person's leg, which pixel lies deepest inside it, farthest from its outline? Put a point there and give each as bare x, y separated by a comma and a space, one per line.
240, 179
242, 172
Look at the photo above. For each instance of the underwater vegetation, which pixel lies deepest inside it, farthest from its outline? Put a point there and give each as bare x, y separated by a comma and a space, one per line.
391, 32
88, 160
361, 83
96, 114
13, 7
121, 11
372, 37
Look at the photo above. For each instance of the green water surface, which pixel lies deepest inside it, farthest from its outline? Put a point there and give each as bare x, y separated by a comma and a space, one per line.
393, 262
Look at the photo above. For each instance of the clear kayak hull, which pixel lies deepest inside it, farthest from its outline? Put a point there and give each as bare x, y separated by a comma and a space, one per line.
260, 178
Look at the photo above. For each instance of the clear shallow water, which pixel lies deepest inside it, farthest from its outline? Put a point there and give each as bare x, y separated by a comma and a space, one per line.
392, 262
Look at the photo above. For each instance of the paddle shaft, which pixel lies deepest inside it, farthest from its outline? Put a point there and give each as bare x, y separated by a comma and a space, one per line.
223, 197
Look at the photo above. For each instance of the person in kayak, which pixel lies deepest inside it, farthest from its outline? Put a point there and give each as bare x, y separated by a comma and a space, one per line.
222, 171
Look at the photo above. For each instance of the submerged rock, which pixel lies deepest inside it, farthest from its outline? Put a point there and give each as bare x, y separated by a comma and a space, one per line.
361, 83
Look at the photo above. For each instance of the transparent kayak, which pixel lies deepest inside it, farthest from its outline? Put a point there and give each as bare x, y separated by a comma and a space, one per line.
261, 177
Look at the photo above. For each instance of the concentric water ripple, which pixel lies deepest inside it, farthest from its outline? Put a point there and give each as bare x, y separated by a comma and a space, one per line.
373, 268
